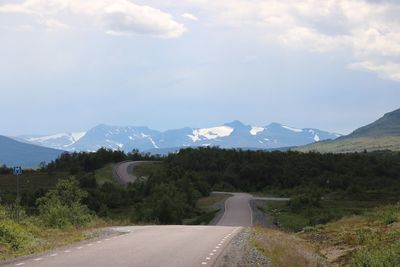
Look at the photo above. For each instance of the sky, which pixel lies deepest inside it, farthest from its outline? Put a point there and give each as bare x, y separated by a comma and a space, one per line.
68, 65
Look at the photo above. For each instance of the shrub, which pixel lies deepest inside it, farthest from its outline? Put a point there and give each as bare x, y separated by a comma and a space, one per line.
62, 206
387, 215
378, 256
14, 236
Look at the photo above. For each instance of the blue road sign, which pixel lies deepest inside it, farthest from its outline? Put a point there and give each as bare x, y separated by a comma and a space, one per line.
17, 170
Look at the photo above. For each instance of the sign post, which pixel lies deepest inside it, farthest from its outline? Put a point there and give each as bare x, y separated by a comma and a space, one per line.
17, 171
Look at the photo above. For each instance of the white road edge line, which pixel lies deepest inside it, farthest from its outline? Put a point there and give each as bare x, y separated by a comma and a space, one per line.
19, 264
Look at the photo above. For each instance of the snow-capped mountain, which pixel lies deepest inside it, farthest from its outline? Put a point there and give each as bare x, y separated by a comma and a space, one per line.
61, 141
230, 135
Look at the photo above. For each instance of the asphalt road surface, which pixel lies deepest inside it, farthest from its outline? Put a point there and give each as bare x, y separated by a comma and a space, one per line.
123, 172
163, 246
237, 211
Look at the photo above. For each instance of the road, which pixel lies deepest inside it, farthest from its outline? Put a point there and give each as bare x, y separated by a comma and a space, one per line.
123, 172
174, 245
165, 246
237, 211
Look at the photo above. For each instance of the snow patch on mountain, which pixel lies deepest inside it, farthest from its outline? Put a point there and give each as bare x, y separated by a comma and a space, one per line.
292, 129
255, 130
211, 133
77, 136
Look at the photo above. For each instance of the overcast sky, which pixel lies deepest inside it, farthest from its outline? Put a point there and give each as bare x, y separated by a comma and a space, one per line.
68, 65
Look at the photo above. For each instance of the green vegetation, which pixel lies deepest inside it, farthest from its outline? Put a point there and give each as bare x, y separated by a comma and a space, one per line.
105, 174
371, 239
206, 209
62, 219
62, 206
148, 169
284, 249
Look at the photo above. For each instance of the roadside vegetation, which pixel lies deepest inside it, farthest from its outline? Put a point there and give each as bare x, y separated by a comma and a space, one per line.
62, 218
283, 249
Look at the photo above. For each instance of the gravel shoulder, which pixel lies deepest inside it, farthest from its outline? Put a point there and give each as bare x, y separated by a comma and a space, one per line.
240, 252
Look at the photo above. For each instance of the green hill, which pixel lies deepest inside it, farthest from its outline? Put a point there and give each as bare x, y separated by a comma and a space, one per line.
14, 153
388, 125
383, 134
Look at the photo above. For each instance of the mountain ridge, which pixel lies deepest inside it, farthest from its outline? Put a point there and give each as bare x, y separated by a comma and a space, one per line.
234, 134
14, 153
382, 134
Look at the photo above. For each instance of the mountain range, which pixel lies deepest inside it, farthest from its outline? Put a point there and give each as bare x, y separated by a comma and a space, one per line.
230, 135
383, 134
30, 150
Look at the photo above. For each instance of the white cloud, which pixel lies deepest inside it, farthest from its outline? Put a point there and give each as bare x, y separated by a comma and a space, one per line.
118, 17
52, 24
368, 30
388, 70
189, 16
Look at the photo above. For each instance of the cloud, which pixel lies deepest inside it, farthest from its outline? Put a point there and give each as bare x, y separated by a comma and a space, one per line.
52, 24
189, 16
117, 17
388, 70
367, 30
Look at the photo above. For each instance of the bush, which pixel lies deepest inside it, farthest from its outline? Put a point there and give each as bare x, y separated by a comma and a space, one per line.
378, 256
14, 236
387, 215
62, 206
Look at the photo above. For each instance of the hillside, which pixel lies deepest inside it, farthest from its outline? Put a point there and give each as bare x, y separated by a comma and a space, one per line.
388, 125
14, 153
383, 134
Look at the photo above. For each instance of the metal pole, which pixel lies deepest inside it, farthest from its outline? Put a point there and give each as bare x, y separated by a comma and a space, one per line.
18, 198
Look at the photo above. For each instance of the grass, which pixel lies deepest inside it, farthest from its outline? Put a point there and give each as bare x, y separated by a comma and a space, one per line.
354, 145
372, 239
147, 169
366, 240
31, 237
330, 209
207, 209
206, 203
284, 250
105, 174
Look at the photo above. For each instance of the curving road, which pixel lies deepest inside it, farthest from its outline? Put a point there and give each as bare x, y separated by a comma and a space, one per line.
237, 211
165, 246
123, 172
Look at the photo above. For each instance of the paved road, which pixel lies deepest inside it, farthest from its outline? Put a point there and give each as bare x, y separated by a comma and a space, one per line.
237, 211
123, 172
154, 245
164, 246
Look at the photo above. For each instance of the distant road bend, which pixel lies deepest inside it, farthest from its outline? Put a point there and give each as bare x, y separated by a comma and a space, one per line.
166, 246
